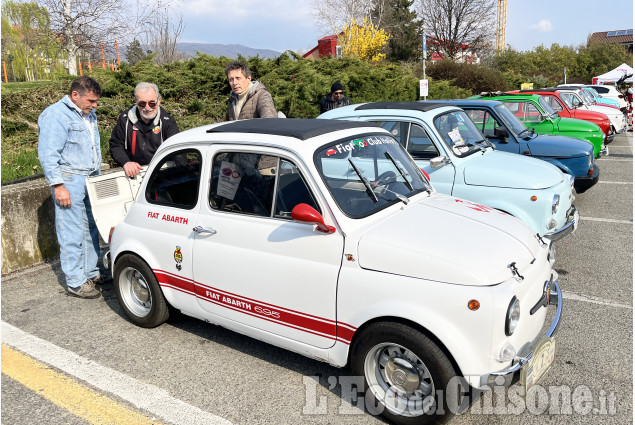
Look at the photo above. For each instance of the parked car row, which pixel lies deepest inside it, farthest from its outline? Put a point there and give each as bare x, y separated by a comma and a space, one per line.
325, 237
537, 114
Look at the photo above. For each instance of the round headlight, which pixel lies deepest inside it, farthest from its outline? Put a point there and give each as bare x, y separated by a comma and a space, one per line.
513, 314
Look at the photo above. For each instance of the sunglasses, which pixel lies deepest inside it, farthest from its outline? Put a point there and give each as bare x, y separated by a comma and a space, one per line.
339, 92
142, 104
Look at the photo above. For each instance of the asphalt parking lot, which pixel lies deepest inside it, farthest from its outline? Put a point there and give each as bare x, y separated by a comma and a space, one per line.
72, 361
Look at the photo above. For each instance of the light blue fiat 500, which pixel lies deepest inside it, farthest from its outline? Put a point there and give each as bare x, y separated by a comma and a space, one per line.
461, 162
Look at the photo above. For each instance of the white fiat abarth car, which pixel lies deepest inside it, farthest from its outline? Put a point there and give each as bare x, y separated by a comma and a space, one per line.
251, 225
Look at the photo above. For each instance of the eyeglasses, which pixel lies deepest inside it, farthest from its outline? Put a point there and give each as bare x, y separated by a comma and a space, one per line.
340, 93
142, 104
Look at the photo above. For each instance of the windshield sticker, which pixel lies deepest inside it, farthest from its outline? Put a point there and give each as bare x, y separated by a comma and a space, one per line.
331, 152
459, 119
455, 136
228, 180
359, 144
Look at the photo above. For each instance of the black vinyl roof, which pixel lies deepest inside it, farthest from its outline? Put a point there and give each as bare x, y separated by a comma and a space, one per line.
467, 102
414, 106
292, 127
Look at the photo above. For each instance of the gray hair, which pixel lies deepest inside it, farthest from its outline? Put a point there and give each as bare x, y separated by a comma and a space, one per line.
144, 86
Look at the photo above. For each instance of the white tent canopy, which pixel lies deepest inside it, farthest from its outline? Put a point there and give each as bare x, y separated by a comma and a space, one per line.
614, 75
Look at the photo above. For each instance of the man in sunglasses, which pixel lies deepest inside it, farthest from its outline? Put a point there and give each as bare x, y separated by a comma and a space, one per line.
335, 99
141, 129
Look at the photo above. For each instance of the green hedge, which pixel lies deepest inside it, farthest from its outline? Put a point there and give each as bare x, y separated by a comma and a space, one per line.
195, 92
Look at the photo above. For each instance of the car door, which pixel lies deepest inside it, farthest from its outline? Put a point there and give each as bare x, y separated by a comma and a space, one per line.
252, 263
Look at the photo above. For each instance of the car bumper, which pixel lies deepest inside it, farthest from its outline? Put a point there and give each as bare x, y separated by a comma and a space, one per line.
585, 182
555, 298
105, 259
573, 217
623, 126
610, 136
604, 151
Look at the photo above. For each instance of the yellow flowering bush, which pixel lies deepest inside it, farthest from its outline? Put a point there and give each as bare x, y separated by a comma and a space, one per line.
364, 41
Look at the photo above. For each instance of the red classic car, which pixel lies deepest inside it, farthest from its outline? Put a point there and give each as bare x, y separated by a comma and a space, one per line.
560, 106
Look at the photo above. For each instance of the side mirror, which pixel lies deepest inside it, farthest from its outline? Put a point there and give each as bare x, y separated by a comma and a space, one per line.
501, 133
439, 161
305, 213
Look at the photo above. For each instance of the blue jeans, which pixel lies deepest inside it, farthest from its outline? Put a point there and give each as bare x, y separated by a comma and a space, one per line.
77, 233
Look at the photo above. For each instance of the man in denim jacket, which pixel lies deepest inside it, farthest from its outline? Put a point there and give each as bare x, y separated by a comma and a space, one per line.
69, 152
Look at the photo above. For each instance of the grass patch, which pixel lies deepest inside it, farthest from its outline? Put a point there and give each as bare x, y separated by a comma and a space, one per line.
9, 88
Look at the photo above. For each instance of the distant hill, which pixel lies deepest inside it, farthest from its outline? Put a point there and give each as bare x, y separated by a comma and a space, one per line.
228, 50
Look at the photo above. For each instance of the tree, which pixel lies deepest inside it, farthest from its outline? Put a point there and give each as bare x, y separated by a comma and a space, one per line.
134, 52
364, 41
332, 15
28, 41
164, 36
400, 21
85, 24
458, 25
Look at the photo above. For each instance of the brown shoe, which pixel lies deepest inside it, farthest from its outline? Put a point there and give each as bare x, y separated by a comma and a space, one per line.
87, 290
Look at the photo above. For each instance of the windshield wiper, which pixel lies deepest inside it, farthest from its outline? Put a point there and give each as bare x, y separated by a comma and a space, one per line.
369, 189
401, 170
525, 130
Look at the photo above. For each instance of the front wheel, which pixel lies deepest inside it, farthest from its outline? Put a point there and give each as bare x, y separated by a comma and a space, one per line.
139, 293
405, 372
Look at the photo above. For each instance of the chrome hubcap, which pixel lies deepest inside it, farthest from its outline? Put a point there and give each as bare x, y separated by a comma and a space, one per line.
399, 379
135, 291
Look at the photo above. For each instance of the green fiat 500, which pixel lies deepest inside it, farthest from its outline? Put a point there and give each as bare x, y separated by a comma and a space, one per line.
534, 111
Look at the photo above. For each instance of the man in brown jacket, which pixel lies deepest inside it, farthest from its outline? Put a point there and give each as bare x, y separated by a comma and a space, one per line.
249, 99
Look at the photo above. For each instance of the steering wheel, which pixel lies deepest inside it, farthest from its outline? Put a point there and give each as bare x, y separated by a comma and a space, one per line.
385, 178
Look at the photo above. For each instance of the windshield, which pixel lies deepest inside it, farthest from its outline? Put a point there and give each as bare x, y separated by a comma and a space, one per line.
510, 120
545, 107
587, 97
592, 92
367, 174
459, 133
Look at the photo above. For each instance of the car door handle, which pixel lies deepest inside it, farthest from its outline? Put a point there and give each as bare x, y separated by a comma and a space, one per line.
199, 229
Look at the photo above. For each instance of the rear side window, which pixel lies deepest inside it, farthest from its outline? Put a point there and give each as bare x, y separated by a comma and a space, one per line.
175, 180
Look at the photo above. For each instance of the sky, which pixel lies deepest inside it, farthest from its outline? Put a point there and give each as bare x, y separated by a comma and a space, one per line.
289, 24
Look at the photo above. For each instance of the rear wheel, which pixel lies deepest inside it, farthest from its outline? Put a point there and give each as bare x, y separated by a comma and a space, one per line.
405, 373
139, 293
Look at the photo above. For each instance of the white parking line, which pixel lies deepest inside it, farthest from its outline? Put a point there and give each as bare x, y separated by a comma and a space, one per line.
613, 159
143, 396
594, 300
606, 220
600, 181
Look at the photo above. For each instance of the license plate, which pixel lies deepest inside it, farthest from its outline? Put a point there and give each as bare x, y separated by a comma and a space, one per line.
539, 364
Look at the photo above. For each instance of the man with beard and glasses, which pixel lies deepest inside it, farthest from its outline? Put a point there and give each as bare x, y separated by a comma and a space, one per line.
141, 129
